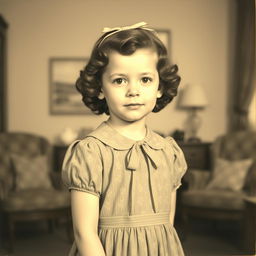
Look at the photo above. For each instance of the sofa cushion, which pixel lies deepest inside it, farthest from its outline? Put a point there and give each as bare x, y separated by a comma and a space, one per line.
229, 174
36, 199
31, 172
217, 199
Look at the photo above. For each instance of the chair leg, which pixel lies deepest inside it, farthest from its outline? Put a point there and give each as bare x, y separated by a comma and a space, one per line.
184, 224
69, 228
249, 230
11, 233
5, 230
2, 230
50, 226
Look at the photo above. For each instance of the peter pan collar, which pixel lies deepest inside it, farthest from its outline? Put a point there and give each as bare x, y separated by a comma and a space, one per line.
109, 136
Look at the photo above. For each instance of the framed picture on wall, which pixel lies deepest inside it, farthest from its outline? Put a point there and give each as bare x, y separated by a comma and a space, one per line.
165, 37
64, 98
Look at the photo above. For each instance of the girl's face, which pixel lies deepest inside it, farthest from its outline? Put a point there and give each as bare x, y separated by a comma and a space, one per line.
130, 85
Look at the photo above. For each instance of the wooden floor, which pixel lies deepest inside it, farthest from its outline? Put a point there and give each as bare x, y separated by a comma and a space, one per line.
203, 240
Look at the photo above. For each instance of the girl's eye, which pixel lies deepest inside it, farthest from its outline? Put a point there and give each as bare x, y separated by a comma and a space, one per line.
119, 81
146, 80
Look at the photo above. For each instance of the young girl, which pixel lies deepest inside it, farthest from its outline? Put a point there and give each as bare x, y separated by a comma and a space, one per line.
123, 176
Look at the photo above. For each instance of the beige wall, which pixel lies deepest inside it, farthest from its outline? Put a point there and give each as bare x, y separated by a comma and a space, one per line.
38, 30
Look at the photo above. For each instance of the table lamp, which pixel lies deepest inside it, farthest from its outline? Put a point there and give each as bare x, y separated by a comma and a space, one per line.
193, 99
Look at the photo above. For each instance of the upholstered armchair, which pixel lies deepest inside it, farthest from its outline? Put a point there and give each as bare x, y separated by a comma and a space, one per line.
29, 189
219, 193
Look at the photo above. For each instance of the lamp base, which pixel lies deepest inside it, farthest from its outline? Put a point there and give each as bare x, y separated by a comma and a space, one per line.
193, 124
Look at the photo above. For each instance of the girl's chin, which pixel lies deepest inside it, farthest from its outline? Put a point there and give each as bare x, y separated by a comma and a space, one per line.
128, 119
130, 116
134, 119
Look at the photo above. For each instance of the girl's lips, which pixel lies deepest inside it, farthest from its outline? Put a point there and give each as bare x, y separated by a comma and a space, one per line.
133, 104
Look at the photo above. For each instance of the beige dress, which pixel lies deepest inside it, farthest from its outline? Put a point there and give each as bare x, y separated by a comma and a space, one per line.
134, 181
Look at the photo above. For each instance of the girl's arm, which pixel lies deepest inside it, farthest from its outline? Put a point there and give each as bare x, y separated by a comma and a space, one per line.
173, 207
85, 215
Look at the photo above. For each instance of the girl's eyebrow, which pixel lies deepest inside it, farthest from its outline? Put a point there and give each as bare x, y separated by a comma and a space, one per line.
147, 73
122, 74
118, 74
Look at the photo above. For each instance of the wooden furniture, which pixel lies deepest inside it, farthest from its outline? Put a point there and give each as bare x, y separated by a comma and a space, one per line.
197, 154
59, 152
250, 226
3, 74
29, 204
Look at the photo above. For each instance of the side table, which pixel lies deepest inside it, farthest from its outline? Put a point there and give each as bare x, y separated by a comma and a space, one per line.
250, 226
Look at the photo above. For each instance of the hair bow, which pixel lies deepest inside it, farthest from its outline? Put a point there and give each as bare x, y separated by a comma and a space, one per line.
142, 25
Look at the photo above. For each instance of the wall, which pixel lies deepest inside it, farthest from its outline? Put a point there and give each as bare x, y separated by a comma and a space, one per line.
38, 30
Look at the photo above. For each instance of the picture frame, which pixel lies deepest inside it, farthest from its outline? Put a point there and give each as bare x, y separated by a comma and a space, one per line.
165, 36
63, 96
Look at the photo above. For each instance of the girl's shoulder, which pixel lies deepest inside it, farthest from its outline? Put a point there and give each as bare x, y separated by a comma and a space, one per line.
168, 144
80, 148
173, 146
95, 139
171, 141
85, 146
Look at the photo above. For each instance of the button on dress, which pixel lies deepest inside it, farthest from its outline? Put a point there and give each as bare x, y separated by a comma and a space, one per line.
134, 181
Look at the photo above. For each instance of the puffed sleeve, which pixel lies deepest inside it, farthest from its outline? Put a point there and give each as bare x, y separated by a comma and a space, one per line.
180, 165
82, 167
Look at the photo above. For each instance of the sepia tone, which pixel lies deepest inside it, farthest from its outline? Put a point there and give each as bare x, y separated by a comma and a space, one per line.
203, 42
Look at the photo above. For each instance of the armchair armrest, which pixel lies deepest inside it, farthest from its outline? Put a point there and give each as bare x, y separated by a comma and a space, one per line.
197, 179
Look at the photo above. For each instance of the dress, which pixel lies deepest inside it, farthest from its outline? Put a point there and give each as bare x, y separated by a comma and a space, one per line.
134, 181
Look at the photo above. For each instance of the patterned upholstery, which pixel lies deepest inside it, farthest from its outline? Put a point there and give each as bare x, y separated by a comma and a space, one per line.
234, 146
237, 146
217, 199
23, 145
35, 199
27, 145
229, 174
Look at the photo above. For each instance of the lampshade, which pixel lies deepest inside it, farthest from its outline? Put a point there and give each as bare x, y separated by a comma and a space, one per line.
193, 96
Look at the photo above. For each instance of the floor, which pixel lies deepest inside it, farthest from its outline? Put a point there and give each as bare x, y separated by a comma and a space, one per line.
203, 239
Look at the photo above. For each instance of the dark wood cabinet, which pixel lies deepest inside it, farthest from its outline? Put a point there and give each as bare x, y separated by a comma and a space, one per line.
59, 152
3, 73
197, 154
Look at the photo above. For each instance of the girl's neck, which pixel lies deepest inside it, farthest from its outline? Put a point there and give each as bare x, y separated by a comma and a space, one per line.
134, 130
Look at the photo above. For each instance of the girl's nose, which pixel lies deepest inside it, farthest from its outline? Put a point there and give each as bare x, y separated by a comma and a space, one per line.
133, 90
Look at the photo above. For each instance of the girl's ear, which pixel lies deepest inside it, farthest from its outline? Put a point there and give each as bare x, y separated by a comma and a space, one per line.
101, 96
159, 93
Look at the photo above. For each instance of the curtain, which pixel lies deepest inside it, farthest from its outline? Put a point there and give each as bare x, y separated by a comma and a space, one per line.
243, 85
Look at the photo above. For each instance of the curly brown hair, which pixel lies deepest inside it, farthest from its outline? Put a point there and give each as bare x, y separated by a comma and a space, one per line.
125, 42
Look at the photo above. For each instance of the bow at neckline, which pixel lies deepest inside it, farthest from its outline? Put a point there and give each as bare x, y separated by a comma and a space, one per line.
133, 159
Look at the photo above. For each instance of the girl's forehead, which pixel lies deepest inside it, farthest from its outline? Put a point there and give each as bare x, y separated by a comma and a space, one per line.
145, 57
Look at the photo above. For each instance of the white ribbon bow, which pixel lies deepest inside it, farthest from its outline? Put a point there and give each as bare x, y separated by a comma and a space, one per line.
142, 25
